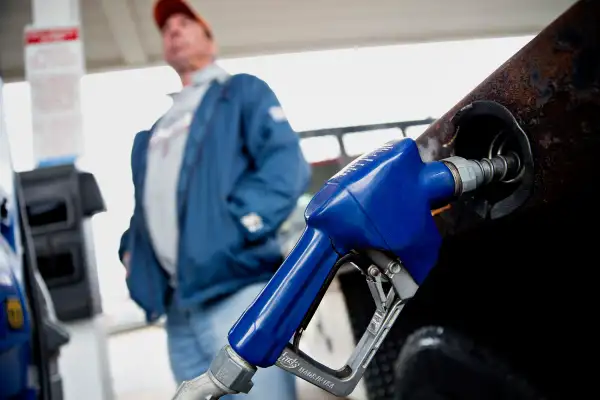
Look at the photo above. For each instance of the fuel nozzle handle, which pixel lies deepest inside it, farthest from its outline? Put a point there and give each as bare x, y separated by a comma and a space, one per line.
470, 175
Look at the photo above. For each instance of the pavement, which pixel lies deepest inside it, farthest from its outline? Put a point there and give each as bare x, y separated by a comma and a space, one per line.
140, 374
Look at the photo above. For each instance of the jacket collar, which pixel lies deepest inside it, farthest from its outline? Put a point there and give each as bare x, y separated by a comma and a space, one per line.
209, 73
206, 75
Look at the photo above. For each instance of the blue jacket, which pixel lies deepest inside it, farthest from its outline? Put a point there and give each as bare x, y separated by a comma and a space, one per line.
240, 158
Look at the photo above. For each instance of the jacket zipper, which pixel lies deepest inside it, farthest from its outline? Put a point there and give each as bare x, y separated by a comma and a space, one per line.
209, 126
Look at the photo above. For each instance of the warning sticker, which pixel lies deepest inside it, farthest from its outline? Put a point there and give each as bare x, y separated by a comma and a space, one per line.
54, 66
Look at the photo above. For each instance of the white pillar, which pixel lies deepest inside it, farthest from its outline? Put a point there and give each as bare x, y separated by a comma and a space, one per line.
55, 64
55, 13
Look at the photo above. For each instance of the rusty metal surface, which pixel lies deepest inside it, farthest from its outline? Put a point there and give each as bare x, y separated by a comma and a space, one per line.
552, 86
524, 285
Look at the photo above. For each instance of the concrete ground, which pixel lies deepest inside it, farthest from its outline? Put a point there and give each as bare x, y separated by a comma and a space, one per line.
140, 368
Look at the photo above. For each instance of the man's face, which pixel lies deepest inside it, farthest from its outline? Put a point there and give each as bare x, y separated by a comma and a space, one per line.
186, 45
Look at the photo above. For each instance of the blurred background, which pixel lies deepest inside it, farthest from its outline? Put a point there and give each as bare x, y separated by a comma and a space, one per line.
325, 89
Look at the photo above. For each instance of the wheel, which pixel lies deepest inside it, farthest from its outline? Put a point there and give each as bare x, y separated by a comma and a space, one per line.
437, 364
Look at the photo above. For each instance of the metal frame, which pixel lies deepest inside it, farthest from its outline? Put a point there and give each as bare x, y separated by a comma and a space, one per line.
344, 158
340, 132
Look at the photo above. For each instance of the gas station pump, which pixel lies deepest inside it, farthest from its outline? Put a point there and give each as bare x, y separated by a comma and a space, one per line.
15, 315
56, 202
30, 336
47, 274
15, 321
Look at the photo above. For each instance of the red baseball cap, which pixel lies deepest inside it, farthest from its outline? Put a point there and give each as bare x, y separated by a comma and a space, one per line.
164, 9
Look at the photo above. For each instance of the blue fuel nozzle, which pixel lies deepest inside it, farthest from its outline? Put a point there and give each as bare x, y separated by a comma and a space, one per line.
379, 206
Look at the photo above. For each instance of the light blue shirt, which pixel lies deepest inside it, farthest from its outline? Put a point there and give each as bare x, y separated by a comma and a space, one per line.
165, 154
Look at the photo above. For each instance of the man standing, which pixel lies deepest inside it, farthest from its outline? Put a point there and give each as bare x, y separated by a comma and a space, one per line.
214, 179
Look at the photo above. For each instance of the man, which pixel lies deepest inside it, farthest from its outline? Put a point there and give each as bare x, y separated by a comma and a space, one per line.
214, 179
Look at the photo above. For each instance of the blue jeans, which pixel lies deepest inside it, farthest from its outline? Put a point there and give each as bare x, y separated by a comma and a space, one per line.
195, 336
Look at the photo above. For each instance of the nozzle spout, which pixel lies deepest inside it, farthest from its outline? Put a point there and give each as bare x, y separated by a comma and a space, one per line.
470, 175
228, 374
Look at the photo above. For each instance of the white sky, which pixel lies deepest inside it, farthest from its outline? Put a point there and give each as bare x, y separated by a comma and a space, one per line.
317, 89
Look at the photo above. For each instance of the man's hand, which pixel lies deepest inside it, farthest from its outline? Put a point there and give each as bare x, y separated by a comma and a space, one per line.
125, 261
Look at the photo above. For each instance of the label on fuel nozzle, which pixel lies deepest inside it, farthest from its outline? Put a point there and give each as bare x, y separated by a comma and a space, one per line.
363, 161
375, 323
